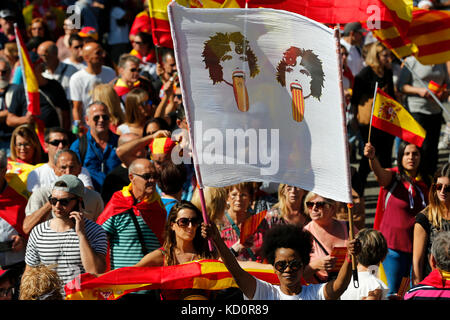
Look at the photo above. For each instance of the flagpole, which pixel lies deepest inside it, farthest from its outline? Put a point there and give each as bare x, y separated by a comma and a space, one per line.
426, 87
349, 205
371, 112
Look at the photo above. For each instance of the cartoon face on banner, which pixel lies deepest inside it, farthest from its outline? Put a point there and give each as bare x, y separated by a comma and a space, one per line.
229, 59
301, 72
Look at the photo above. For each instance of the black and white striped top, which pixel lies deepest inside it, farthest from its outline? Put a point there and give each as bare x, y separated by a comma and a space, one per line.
48, 247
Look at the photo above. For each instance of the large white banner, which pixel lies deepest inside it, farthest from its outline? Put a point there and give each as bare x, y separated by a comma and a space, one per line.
262, 96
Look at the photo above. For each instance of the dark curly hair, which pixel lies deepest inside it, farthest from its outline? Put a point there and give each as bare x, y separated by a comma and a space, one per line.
287, 236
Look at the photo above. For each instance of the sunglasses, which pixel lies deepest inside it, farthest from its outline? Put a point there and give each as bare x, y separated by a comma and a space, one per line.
185, 222
57, 142
282, 265
105, 117
318, 204
147, 176
440, 186
63, 201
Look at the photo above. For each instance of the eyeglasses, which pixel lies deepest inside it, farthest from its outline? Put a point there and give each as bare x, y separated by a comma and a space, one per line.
2, 72
185, 222
282, 265
440, 186
318, 204
105, 117
57, 142
24, 145
138, 42
147, 176
147, 103
135, 70
4, 292
63, 201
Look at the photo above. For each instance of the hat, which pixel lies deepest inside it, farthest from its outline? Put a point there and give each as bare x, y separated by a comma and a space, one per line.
86, 32
6, 13
353, 26
71, 184
162, 145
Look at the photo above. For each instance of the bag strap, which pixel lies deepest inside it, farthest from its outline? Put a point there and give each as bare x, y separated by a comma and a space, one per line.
139, 232
82, 148
320, 245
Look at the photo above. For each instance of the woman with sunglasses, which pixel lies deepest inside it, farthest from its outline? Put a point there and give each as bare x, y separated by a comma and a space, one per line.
287, 247
402, 196
289, 208
432, 220
183, 243
328, 234
138, 109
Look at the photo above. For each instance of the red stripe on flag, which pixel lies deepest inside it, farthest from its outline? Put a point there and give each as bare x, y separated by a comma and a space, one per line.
433, 48
40, 132
397, 131
161, 33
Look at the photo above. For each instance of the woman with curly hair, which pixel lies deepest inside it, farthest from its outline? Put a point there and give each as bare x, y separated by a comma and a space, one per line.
41, 283
287, 248
434, 219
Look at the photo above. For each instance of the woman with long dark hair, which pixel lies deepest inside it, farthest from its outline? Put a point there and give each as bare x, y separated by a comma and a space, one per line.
403, 194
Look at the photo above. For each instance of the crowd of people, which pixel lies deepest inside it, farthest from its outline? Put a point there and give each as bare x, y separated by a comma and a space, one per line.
101, 192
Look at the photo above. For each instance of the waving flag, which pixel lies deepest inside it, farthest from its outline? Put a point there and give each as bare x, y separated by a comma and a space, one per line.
391, 117
428, 37
251, 224
31, 86
262, 98
201, 274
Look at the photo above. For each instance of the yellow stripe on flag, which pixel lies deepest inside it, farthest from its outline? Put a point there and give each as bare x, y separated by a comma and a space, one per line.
402, 8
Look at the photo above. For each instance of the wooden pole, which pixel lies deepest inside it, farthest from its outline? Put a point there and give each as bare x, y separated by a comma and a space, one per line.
351, 236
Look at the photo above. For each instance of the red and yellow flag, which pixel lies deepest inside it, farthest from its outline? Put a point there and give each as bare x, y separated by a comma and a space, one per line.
428, 37
251, 224
207, 274
31, 86
391, 117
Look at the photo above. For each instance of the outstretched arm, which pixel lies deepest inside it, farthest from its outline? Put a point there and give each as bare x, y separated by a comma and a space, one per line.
383, 176
245, 281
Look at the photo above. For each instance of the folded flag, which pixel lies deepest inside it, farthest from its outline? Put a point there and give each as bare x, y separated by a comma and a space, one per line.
250, 225
391, 117
207, 274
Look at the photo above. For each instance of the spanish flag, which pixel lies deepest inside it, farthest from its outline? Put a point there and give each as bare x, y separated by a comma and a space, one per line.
391, 117
31, 86
206, 274
251, 224
427, 38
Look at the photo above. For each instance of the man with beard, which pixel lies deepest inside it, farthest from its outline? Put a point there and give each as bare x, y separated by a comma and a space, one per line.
6, 93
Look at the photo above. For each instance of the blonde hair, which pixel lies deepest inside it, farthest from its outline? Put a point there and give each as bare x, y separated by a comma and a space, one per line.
26, 132
215, 202
436, 208
135, 98
372, 58
40, 283
105, 93
311, 195
281, 204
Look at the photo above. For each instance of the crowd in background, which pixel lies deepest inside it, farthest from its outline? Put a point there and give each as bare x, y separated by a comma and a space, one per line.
101, 192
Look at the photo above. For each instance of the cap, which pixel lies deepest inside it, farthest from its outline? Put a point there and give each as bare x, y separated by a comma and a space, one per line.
71, 184
6, 13
353, 26
162, 145
88, 32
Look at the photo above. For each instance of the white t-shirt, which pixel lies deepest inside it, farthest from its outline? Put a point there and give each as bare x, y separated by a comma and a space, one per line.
45, 176
82, 83
267, 291
368, 281
355, 61
77, 65
62, 74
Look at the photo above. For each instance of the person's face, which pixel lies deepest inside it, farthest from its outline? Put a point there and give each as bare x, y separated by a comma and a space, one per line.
45, 54
7, 25
186, 224
291, 275
177, 99
293, 194
442, 184
98, 119
56, 141
93, 53
6, 290
146, 108
385, 58
144, 178
139, 45
298, 77
67, 165
170, 67
411, 158
69, 27
37, 29
160, 159
357, 38
5, 73
66, 204
152, 128
239, 200
76, 50
234, 60
130, 72
319, 209
24, 149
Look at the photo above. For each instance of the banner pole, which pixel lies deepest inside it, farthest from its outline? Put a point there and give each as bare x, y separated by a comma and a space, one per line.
371, 112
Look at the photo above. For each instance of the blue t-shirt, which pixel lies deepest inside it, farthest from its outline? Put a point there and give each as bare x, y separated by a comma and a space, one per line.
97, 161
